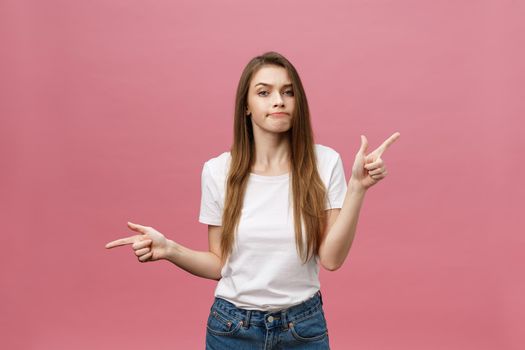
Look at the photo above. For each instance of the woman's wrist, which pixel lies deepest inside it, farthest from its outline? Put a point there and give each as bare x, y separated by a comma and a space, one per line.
169, 250
356, 186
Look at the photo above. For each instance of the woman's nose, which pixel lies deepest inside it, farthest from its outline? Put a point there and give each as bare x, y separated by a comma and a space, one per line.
278, 101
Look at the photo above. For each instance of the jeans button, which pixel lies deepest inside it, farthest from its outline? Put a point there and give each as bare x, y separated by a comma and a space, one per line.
270, 319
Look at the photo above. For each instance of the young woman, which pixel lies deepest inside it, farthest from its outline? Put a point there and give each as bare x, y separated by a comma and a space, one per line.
277, 206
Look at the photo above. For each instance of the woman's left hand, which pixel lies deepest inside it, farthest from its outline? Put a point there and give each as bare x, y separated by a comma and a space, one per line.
369, 169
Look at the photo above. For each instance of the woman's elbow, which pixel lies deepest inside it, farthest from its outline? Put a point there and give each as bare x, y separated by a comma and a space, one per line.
330, 265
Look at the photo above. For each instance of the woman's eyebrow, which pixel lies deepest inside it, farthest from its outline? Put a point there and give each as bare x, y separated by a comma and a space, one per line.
265, 84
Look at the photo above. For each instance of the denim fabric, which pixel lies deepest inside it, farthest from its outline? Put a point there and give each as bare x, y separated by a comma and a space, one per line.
301, 326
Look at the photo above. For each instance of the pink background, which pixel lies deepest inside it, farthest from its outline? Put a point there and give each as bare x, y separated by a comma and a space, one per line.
110, 108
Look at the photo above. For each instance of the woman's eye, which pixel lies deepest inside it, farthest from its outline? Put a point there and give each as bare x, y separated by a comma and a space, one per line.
290, 92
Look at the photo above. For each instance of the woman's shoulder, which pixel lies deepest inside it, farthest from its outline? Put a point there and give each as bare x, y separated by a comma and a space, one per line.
222, 157
218, 164
329, 163
325, 153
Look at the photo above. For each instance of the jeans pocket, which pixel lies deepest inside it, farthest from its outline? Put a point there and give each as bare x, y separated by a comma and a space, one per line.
220, 324
309, 329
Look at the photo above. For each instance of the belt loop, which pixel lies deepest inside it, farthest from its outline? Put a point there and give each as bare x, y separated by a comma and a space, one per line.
283, 319
320, 297
247, 320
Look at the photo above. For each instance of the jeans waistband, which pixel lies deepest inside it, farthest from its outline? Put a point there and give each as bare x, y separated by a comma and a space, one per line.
270, 319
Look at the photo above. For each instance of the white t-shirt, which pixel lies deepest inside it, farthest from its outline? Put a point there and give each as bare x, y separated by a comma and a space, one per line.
264, 271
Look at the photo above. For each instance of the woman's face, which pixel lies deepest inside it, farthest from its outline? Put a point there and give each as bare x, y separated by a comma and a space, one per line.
270, 92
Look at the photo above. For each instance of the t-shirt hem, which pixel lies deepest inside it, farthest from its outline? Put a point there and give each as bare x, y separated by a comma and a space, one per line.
209, 221
337, 205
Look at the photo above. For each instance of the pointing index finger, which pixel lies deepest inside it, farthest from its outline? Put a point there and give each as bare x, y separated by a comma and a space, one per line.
389, 141
122, 241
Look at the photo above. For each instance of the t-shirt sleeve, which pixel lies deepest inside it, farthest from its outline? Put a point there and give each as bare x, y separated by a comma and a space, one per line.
337, 186
210, 210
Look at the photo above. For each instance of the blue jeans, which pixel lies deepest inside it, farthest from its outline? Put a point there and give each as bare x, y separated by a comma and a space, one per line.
301, 326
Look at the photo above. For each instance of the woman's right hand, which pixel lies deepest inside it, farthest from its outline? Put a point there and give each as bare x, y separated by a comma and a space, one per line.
149, 244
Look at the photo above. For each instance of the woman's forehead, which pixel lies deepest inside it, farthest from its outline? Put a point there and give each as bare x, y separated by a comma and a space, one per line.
271, 75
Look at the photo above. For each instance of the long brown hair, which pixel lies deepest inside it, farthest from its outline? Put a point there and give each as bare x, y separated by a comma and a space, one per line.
309, 192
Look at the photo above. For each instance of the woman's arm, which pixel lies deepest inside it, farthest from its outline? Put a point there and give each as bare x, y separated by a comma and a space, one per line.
151, 245
198, 263
340, 234
368, 170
